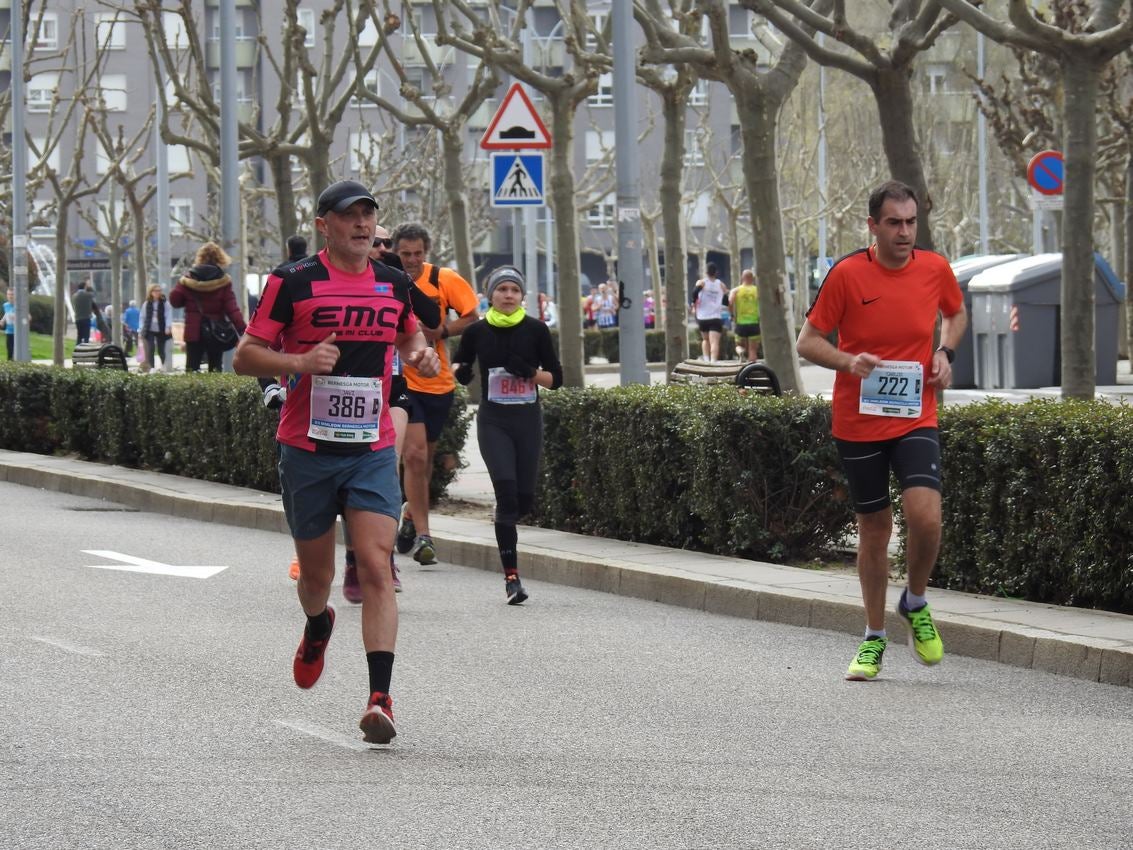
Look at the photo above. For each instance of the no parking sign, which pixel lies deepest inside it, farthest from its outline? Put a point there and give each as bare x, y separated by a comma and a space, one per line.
1044, 172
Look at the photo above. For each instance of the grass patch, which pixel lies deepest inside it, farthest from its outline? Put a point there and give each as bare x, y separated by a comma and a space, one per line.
42, 346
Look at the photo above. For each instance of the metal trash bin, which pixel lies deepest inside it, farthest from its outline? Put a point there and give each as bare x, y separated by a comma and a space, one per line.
964, 366
1017, 322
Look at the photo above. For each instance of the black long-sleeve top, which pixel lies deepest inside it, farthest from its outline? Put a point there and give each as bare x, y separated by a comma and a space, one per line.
493, 346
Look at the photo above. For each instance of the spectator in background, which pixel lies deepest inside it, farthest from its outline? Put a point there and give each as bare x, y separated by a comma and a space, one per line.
206, 292
156, 329
649, 308
590, 309
548, 310
607, 309
130, 319
83, 302
296, 248
708, 306
8, 320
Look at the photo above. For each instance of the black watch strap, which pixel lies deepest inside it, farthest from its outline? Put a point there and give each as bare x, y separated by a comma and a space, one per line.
948, 352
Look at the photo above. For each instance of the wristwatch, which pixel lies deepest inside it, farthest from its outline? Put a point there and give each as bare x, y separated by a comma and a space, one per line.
948, 352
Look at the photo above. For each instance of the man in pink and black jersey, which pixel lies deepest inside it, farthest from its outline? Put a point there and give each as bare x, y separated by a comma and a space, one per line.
340, 317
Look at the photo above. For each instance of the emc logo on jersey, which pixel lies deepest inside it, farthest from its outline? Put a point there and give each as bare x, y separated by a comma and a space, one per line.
354, 316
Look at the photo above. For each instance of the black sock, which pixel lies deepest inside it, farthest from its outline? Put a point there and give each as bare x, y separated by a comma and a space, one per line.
506, 539
350, 562
318, 627
381, 670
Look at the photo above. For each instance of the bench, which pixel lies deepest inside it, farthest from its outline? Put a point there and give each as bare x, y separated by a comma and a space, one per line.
98, 355
752, 376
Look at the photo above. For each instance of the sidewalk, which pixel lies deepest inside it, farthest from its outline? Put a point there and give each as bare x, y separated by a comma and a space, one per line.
1091, 645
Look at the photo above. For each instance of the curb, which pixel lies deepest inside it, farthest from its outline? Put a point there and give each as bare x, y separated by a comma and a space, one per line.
471, 543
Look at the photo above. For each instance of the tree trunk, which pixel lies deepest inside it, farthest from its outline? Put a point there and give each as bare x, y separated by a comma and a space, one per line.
1080, 80
894, 98
62, 286
675, 292
759, 118
115, 322
566, 239
453, 142
139, 218
280, 167
1129, 256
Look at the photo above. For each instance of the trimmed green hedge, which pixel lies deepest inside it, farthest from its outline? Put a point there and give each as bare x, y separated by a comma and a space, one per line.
207, 426
706, 468
1038, 502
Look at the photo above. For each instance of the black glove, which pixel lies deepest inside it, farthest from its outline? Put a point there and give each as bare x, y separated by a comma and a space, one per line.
463, 373
519, 367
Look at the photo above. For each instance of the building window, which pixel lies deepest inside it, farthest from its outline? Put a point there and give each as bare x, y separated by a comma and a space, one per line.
306, 19
599, 144
364, 152
371, 82
102, 159
48, 36
41, 92
369, 35
605, 94
699, 94
601, 216
694, 147
112, 91
598, 21
52, 159
175, 36
180, 215
112, 213
109, 31
177, 159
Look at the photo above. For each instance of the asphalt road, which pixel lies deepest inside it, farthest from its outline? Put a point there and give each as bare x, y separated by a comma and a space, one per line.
143, 710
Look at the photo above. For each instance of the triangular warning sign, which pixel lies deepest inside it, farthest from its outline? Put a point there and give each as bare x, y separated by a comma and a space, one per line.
516, 125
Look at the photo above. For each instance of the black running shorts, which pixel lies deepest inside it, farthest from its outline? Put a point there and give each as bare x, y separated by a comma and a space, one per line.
913, 457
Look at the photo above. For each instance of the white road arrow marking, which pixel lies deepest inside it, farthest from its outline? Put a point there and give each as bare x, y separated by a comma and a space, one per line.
130, 564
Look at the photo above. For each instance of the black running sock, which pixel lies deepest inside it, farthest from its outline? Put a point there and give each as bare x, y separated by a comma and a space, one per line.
506, 539
318, 627
381, 670
350, 561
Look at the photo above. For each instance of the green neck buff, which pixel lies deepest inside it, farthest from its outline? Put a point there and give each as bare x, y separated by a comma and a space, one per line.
502, 320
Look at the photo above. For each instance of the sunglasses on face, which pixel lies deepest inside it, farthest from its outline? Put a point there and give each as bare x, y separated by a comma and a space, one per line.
383, 243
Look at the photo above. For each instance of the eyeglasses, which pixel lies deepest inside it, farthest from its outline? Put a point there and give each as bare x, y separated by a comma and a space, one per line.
383, 243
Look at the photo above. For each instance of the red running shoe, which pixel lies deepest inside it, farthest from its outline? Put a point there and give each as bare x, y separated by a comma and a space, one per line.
309, 657
377, 723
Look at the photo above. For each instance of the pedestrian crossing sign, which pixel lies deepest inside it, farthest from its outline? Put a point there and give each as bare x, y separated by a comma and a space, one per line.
517, 180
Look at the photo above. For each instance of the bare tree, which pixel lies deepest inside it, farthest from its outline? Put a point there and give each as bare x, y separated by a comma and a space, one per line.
315, 90
436, 109
500, 46
759, 94
885, 65
673, 89
1082, 54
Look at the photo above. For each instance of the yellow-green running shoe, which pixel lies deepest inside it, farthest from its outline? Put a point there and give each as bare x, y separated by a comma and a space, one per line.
924, 639
867, 663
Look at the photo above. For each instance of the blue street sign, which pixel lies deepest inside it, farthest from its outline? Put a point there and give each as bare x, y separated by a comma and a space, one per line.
517, 180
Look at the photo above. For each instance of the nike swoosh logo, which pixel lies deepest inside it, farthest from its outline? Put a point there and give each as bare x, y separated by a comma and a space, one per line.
870, 300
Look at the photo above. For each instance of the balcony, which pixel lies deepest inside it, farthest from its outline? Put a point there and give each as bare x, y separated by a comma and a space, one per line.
246, 49
411, 53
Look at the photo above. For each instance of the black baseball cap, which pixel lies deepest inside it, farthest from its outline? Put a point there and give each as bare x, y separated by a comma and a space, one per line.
338, 196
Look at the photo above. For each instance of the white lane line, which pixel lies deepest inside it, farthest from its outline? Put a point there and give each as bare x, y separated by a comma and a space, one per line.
70, 647
325, 735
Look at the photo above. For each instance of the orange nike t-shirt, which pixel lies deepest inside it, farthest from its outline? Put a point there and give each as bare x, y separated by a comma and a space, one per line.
452, 292
890, 313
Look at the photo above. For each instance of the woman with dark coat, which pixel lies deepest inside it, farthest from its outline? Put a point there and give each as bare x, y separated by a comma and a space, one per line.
206, 290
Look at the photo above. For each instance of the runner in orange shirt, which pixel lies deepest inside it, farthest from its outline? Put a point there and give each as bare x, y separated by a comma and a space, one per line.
430, 397
884, 301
